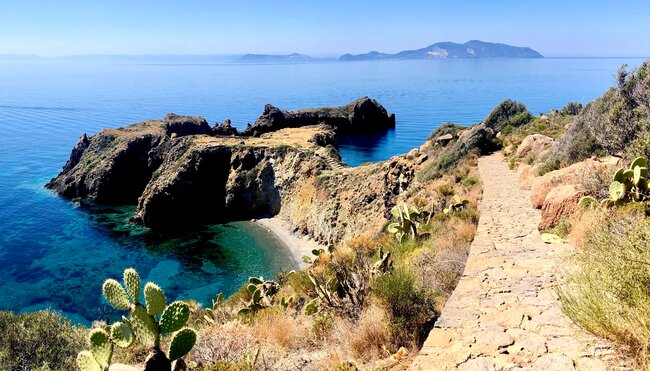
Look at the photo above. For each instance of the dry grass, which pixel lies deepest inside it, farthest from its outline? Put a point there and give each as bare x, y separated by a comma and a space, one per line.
282, 330
369, 337
230, 342
607, 289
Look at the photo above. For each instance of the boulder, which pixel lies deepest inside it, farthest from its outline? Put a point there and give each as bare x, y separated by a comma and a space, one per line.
534, 144
541, 186
444, 139
560, 202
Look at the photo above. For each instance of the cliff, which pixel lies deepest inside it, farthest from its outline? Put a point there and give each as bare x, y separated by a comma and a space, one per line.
180, 172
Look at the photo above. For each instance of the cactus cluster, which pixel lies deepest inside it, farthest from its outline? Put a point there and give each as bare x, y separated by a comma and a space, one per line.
210, 313
146, 322
349, 286
408, 221
628, 185
262, 293
455, 204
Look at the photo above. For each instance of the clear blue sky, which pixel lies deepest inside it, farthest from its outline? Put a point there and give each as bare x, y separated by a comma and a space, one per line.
553, 27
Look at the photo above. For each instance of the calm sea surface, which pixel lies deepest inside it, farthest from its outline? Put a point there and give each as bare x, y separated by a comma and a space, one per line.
55, 254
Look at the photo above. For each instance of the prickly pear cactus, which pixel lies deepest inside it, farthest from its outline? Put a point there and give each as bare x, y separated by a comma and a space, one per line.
116, 295
86, 362
145, 327
121, 335
182, 343
174, 317
132, 284
101, 347
142, 325
155, 298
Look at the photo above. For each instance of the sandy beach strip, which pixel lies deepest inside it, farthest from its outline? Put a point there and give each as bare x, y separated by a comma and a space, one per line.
298, 246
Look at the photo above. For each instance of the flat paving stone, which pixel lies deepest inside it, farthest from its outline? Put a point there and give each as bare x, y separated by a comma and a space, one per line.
504, 313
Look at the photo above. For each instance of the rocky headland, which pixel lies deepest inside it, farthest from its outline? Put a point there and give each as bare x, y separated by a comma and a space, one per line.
180, 171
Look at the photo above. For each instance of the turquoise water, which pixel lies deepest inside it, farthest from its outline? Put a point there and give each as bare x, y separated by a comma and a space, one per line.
55, 254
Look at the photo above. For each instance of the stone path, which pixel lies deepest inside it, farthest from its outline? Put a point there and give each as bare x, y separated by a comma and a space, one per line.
504, 313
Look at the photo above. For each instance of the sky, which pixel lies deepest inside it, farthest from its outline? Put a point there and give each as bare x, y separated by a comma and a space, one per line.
555, 28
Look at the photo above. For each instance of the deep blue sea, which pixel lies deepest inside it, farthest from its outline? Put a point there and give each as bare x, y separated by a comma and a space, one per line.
56, 254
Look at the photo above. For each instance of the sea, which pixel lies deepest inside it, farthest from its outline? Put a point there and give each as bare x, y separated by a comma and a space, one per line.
55, 253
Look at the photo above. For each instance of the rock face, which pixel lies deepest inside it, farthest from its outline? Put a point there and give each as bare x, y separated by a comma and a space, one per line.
534, 144
560, 202
180, 173
362, 115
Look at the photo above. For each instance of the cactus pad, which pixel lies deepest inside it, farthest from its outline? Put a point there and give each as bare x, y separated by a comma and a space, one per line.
155, 298
182, 343
616, 191
256, 280
86, 362
115, 294
122, 335
174, 317
132, 284
640, 162
145, 326
311, 307
101, 346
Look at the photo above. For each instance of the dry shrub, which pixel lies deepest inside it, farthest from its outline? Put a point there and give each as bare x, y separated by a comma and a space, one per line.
369, 337
440, 268
607, 286
596, 181
460, 231
230, 342
281, 329
581, 223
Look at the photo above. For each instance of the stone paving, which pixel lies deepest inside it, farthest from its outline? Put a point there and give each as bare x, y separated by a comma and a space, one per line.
504, 313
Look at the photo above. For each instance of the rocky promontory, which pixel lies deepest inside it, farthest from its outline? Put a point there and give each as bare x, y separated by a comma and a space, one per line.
180, 171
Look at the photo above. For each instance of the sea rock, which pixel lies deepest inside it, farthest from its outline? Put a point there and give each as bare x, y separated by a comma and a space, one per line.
362, 115
534, 144
560, 202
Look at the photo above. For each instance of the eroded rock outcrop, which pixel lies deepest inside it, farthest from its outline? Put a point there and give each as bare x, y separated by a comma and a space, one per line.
362, 115
181, 172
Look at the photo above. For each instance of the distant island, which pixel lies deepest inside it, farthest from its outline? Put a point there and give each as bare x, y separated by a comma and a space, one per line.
444, 50
265, 58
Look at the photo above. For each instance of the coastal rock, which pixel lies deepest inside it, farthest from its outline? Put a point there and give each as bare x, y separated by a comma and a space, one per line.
225, 129
362, 115
534, 144
560, 202
180, 174
185, 125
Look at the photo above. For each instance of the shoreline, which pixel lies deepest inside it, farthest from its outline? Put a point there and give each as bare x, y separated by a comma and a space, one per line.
297, 246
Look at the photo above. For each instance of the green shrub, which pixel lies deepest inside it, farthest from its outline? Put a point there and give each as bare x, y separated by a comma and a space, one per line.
41, 340
571, 109
608, 292
470, 180
549, 165
411, 307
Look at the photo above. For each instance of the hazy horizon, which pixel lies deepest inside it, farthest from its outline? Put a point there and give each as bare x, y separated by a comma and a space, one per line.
554, 28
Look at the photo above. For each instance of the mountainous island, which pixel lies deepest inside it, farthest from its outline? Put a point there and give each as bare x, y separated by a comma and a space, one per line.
444, 50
